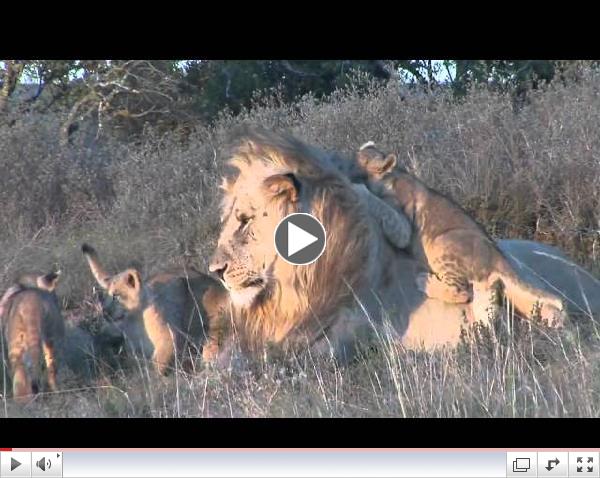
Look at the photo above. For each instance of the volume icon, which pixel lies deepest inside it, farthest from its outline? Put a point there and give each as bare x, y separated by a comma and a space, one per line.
43, 464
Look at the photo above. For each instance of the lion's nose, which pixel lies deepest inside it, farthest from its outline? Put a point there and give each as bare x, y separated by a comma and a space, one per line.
218, 264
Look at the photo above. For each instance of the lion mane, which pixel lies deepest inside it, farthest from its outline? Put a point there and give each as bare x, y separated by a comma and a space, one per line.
300, 303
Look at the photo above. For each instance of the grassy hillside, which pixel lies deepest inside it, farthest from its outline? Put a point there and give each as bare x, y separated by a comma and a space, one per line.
533, 175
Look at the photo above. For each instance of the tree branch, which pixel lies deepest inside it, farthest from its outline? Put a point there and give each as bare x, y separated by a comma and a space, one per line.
288, 67
12, 75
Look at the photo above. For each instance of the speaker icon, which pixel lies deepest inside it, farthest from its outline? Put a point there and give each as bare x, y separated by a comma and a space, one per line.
43, 463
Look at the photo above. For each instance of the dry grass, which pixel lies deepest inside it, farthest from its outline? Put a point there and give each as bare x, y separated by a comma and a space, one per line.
533, 175
535, 376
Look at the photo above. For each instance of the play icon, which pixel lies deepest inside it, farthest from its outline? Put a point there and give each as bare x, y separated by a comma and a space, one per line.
300, 239
15, 464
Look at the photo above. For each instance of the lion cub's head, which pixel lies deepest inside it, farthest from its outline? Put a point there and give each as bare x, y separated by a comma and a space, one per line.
126, 287
375, 163
47, 282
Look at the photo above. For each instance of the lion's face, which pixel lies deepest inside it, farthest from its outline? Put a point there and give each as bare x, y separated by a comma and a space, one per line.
246, 258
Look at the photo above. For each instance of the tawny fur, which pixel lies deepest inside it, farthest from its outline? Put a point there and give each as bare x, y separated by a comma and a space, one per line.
274, 301
34, 330
465, 263
177, 310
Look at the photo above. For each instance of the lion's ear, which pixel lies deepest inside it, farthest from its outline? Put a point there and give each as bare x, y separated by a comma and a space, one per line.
283, 184
226, 185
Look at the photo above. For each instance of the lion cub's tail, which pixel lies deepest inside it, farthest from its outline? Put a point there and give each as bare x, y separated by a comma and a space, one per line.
96, 267
526, 298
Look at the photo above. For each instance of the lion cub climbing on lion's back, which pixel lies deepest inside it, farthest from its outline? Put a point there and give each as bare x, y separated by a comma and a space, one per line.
464, 261
34, 330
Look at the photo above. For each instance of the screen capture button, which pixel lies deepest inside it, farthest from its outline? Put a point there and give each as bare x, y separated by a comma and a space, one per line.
521, 464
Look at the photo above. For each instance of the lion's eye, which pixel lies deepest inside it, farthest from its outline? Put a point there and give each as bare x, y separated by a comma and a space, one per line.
245, 220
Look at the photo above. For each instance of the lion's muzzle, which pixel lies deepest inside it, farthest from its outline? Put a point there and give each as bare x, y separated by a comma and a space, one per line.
219, 264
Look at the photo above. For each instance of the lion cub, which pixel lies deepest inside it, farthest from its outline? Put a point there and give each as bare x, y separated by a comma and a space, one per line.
464, 261
171, 311
32, 325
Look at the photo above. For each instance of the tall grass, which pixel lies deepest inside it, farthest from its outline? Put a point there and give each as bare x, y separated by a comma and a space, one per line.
535, 175
534, 375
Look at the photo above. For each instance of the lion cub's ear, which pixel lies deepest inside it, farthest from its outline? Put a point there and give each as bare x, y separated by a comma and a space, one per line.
380, 166
133, 279
48, 281
283, 184
389, 163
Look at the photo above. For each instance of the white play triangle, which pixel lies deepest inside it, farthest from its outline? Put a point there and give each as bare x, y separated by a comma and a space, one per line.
298, 239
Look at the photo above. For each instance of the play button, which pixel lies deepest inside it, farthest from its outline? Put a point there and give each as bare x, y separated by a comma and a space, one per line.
300, 239
15, 464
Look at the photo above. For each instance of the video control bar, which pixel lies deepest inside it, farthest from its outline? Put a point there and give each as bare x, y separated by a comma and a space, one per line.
297, 463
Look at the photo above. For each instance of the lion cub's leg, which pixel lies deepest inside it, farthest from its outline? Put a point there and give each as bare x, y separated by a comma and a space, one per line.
396, 227
162, 338
549, 314
553, 316
435, 288
20, 380
50, 360
210, 352
211, 348
24, 358
162, 357
21, 384
485, 303
218, 329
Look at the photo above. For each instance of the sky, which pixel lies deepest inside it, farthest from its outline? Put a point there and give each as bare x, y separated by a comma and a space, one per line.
442, 76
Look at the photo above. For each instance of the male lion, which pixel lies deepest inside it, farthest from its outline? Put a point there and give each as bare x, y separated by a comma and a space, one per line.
274, 302
33, 326
167, 314
465, 263
331, 305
